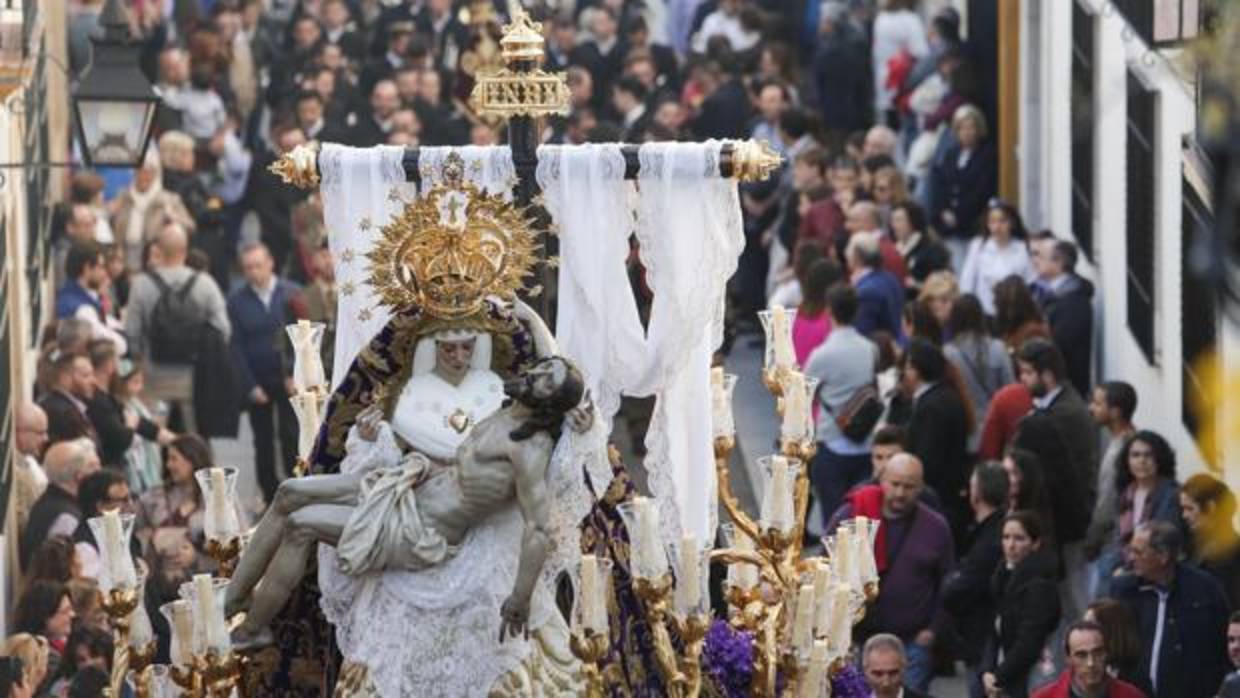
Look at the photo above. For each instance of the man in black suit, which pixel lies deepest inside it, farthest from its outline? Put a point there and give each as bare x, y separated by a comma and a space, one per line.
724, 113
841, 76
73, 385
629, 99
445, 34
374, 124
663, 58
883, 662
966, 590
1042, 370
938, 428
273, 200
1067, 301
337, 30
312, 119
603, 55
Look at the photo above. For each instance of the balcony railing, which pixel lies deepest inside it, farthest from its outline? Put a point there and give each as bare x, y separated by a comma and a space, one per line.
1163, 22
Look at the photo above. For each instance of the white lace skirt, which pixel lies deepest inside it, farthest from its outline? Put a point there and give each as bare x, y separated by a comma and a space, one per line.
434, 632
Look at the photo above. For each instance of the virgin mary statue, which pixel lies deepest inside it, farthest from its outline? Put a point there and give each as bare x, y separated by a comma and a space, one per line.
419, 386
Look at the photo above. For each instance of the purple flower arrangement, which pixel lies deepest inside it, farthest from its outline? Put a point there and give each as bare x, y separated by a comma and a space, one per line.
727, 658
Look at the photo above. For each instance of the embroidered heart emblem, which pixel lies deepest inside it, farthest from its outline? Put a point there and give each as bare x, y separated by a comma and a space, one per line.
459, 421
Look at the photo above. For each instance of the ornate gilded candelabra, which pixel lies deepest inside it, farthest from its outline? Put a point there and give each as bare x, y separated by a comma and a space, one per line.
119, 586
310, 387
221, 523
591, 640
214, 668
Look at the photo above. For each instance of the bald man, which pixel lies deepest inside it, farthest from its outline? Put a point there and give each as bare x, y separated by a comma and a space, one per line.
914, 554
29, 480
170, 370
56, 513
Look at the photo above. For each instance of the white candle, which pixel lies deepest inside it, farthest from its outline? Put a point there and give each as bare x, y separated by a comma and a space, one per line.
777, 502
843, 552
594, 613
742, 574
120, 564
649, 561
811, 687
781, 335
720, 405
795, 408
803, 621
140, 631
182, 633
841, 619
866, 564
221, 508
822, 599
689, 584
210, 613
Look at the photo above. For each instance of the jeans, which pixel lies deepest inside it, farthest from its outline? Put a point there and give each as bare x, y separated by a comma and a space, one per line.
834, 474
920, 668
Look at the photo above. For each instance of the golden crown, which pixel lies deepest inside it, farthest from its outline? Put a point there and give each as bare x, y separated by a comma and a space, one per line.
450, 249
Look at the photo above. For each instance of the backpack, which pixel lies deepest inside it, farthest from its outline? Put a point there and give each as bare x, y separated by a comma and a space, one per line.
176, 324
859, 414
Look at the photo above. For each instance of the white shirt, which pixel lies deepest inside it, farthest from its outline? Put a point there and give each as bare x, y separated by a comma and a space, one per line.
893, 30
265, 294
986, 264
1045, 402
1156, 647
729, 27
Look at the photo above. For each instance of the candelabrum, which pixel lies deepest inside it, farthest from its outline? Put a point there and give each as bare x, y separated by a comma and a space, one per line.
119, 586
221, 523
590, 640
212, 669
309, 387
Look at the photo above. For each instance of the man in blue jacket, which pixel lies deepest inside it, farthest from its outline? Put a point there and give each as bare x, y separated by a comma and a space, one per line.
880, 296
259, 310
1181, 615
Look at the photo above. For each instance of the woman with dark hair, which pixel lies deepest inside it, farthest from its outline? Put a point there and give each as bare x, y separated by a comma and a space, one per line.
812, 323
918, 320
1146, 486
1122, 641
46, 609
922, 252
998, 252
1027, 485
1067, 513
1026, 609
54, 560
1209, 507
1017, 316
980, 359
177, 503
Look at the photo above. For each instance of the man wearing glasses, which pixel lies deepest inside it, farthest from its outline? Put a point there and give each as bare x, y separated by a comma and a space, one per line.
1087, 675
1181, 615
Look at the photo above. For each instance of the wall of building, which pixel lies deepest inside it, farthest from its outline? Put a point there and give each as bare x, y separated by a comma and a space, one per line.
1046, 196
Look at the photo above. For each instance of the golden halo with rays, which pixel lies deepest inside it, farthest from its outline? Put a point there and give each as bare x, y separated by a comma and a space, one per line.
452, 248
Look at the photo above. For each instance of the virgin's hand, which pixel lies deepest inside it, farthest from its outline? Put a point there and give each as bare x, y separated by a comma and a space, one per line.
581, 417
515, 618
368, 422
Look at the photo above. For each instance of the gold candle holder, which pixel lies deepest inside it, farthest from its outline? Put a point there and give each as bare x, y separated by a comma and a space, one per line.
187, 678
221, 674
654, 595
119, 604
591, 649
225, 554
141, 662
692, 632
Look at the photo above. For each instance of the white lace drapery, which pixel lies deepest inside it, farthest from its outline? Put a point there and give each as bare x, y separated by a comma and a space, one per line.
688, 222
362, 189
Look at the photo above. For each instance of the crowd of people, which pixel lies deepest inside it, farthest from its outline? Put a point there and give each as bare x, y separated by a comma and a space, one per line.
1028, 525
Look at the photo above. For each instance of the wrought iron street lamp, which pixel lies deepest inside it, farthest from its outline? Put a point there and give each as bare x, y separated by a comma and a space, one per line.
114, 103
